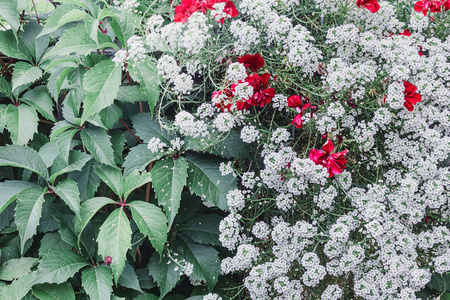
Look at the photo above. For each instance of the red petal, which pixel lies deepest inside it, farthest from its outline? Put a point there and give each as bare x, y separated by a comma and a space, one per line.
297, 121
317, 156
294, 101
328, 147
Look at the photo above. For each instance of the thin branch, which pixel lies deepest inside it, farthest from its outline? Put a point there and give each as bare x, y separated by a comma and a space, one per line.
128, 128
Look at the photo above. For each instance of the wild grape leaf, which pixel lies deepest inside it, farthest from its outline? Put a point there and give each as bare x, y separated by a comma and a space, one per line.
16, 268
10, 188
101, 84
10, 47
98, 143
135, 180
114, 239
88, 209
67, 190
148, 128
112, 177
58, 265
129, 278
139, 158
24, 73
165, 272
206, 181
151, 222
28, 213
19, 288
97, 282
146, 73
169, 178
41, 101
51, 291
22, 122
9, 12
63, 14
203, 229
88, 182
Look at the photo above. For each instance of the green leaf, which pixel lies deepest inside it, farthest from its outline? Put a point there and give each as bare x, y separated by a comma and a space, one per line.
146, 73
101, 84
47, 291
41, 101
440, 282
205, 260
10, 47
36, 45
16, 268
73, 40
58, 265
147, 128
10, 189
203, 229
130, 94
111, 115
59, 128
23, 157
123, 27
9, 12
169, 178
87, 180
67, 190
24, 73
21, 122
206, 181
445, 296
28, 213
62, 15
129, 278
97, 142
19, 288
118, 143
88, 209
64, 142
151, 222
112, 177
135, 180
52, 240
77, 161
48, 153
5, 88
114, 239
163, 271
139, 158
97, 282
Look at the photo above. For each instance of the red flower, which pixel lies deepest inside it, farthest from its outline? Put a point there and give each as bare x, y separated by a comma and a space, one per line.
263, 94
446, 5
411, 96
295, 101
229, 9
405, 33
424, 5
186, 9
371, 5
253, 62
334, 162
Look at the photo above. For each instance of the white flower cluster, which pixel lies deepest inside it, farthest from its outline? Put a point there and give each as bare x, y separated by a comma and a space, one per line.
168, 68
135, 51
236, 72
246, 36
155, 145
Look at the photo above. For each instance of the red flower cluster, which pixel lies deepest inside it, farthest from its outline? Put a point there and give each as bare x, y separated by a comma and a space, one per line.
295, 101
188, 7
411, 96
371, 5
262, 92
334, 162
433, 6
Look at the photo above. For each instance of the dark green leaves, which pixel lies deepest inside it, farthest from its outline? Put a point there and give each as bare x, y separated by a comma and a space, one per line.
206, 181
165, 272
15, 268
22, 122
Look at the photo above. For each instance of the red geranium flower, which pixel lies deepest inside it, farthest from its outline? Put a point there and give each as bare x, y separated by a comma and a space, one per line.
229, 9
424, 5
225, 102
411, 96
186, 9
371, 5
334, 162
253, 62
405, 33
446, 5
263, 94
295, 101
